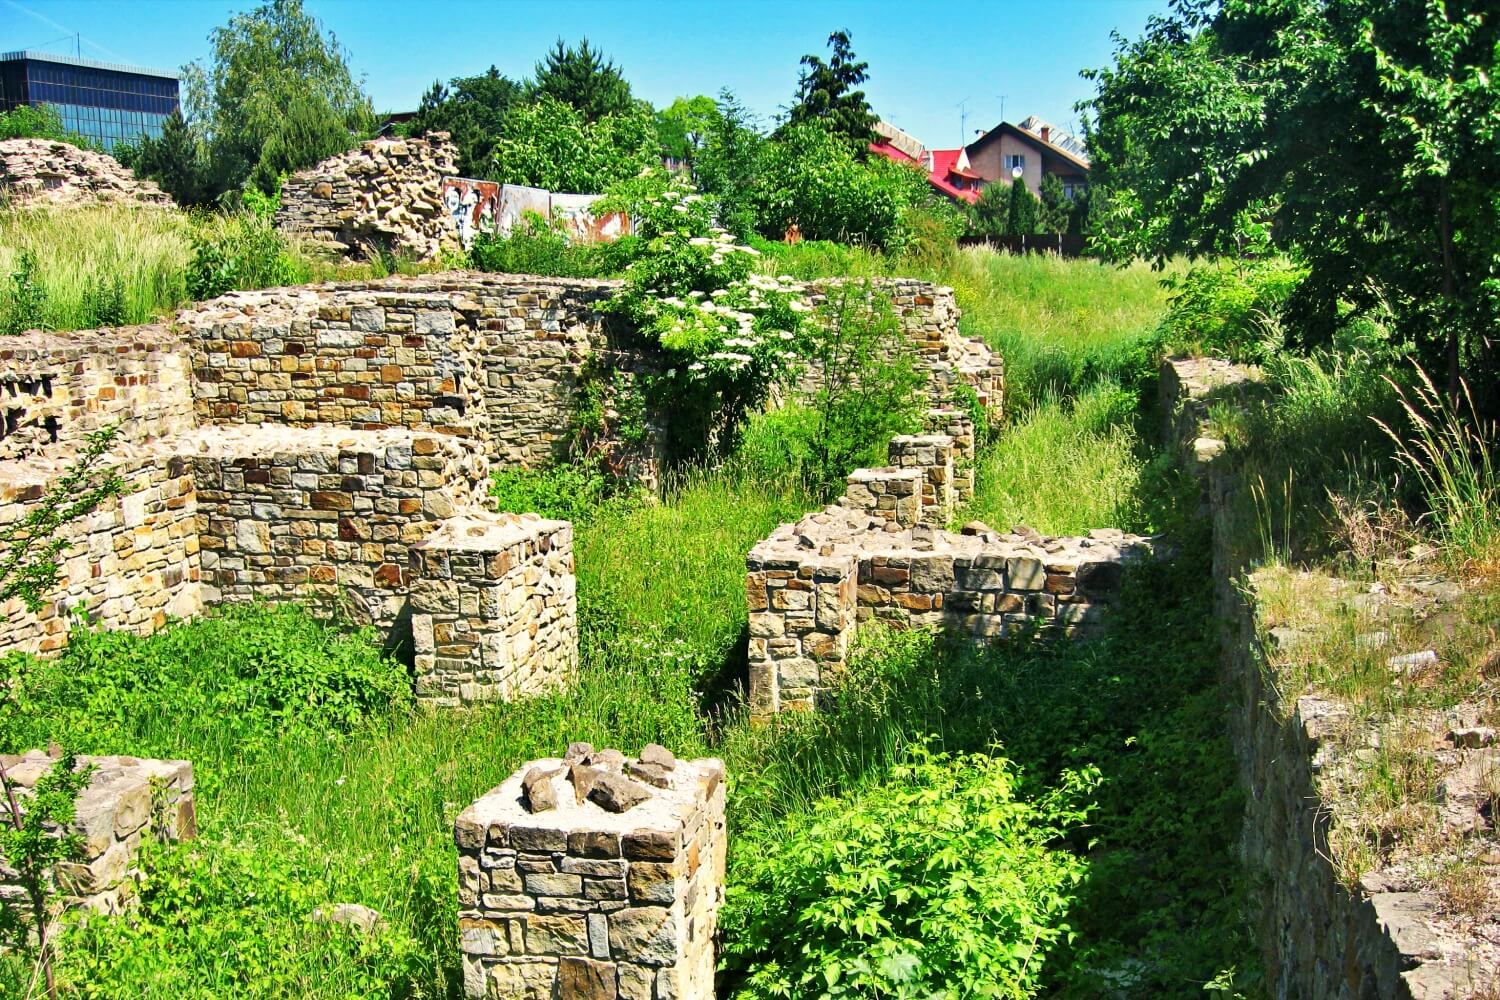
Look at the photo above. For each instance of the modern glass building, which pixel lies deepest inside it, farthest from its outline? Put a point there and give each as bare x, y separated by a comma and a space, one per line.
103, 101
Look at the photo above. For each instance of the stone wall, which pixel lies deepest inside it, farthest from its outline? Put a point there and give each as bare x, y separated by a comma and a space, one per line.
1318, 939
386, 194
880, 554
594, 875
494, 608
57, 388
286, 512
47, 172
127, 800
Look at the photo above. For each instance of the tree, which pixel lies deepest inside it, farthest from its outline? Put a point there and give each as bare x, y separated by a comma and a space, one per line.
266, 63
1360, 136
1056, 210
177, 161
826, 93
1024, 215
683, 127
472, 110
728, 163
549, 144
990, 214
583, 78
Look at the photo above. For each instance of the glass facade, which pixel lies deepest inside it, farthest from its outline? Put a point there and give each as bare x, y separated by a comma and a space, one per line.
102, 101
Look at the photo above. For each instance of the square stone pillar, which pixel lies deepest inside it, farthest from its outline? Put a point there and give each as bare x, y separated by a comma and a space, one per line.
893, 494
932, 455
594, 877
802, 619
494, 608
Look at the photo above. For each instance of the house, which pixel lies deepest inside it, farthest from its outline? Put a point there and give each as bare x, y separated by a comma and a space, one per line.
948, 170
1037, 149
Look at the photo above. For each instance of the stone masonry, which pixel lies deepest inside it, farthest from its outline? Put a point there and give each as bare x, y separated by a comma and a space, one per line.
593, 877
880, 553
47, 172
127, 800
494, 608
385, 194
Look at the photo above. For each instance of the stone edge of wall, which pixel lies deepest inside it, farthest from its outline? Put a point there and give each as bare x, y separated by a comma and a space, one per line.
1318, 940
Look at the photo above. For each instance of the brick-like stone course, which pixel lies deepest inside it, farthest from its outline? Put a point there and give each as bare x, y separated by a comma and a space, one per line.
576, 901
127, 800
494, 608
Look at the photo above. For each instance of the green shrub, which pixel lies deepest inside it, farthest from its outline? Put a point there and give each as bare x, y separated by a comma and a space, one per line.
231, 916
1229, 308
38, 121
240, 252
231, 681
25, 307
940, 882
535, 246
567, 492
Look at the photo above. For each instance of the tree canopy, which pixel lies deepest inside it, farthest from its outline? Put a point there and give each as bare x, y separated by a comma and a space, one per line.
583, 78
827, 93
1360, 136
472, 110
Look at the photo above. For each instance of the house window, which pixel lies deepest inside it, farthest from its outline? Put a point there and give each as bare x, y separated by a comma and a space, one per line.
1015, 161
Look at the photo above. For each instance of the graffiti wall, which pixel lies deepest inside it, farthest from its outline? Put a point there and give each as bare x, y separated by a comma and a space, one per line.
574, 212
474, 206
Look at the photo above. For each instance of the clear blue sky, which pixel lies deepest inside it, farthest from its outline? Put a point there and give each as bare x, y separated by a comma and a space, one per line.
924, 58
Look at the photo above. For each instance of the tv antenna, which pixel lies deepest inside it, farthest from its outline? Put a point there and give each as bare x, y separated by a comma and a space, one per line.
963, 119
1002, 98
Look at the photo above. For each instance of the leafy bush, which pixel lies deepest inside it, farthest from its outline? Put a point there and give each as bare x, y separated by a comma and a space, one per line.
230, 917
726, 335
26, 305
1229, 308
37, 121
940, 882
245, 674
568, 492
813, 178
535, 246
549, 144
243, 251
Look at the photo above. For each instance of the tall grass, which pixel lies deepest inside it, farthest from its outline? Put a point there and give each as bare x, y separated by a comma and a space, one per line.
1449, 452
1068, 466
1059, 324
144, 250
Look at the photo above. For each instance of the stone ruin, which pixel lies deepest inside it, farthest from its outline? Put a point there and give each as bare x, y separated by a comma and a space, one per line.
880, 553
127, 800
334, 443
594, 876
384, 194
48, 172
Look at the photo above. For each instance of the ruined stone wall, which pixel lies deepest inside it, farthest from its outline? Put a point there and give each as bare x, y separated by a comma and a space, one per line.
880, 553
594, 875
57, 388
130, 565
287, 512
494, 608
386, 194
127, 800
1318, 939
47, 172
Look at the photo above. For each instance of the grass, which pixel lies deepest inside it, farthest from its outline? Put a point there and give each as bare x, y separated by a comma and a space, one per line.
120, 265
1059, 324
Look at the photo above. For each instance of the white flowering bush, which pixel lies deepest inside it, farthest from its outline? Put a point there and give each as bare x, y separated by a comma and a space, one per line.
727, 334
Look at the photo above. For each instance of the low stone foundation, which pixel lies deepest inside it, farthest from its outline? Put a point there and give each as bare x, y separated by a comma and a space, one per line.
127, 800
594, 876
494, 608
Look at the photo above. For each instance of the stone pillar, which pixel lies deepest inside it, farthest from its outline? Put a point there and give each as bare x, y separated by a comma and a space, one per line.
494, 608
958, 425
594, 877
802, 619
932, 454
889, 493
127, 798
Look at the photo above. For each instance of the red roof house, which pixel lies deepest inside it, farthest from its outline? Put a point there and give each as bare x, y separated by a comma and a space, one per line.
948, 170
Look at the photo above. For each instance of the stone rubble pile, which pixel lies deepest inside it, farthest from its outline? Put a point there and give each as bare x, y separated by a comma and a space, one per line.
386, 194
48, 172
